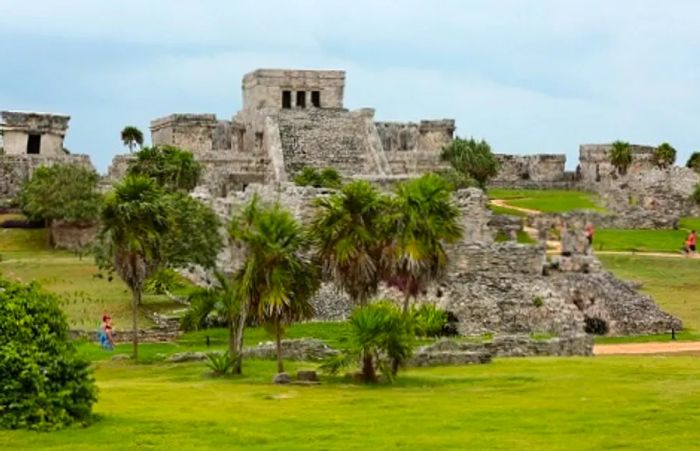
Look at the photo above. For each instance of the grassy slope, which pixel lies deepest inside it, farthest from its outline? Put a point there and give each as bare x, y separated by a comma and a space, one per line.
673, 283
550, 201
646, 240
534, 403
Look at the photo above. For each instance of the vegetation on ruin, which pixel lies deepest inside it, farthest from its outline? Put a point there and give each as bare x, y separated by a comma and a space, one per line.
472, 159
621, 156
61, 192
131, 137
664, 155
325, 178
694, 162
540, 403
546, 201
45, 386
172, 168
696, 194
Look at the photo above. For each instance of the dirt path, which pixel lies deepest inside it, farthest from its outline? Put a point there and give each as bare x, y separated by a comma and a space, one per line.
504, 204
648, 254
647, 348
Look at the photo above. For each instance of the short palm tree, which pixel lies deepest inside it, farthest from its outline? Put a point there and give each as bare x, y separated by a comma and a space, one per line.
276, 280
378, 332
664, 155
134, 221
131, 137
621, 156
171, 167
348, 239
422, 221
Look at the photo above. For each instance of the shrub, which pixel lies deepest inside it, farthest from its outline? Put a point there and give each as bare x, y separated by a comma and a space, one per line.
696, 194
163, 282
537, 301
429, 320
594, 325
664, 155
219, 364
44, 385
694, 162
621, 156
326, 178
472, 159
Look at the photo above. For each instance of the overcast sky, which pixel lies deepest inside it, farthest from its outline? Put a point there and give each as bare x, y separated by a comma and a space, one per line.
528, 76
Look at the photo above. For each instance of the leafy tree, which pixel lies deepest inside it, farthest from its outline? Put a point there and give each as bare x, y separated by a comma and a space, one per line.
172, 168
277, 279
61, 192
664, 155
422, 221
377, 331
146, 229
694, 162
348, 238
134, 222
472, 159
44, 385
326, 178
621, 156
131, 137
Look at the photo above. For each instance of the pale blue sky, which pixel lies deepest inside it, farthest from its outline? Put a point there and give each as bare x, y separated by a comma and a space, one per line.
528, 76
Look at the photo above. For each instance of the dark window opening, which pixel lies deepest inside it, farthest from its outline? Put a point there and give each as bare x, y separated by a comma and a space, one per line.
316, 98
34, 143
286, 99
258, 140
301, 99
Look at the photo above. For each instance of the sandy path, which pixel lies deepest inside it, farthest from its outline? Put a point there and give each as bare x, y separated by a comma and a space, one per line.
647, 348
504, 204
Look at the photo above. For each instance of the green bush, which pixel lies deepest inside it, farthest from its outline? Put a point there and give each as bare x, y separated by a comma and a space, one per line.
664, 155
219, 364
43, 385
694, 162
429, 320
621, 156
537, 301
326, 178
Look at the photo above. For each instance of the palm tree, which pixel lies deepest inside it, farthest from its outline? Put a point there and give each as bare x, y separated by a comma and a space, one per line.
376, 330
131, 137
134, 221
348, 239
276, 280
220, 299
423, 220
621, 156
664, 155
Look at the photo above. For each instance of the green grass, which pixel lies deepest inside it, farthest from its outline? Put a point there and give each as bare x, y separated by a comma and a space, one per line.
639, 403
86, 297
548, 201
639, 240
673, 283
498, 210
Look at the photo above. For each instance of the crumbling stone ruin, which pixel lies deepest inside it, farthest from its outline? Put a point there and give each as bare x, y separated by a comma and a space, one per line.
30, 140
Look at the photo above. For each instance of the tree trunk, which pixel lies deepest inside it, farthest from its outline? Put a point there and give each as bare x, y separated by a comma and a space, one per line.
49, 235
238, 340
406, 300
136, 300
278, 339
368, 374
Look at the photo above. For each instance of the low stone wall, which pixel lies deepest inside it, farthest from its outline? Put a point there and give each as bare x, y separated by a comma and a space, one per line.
498, 258
634, 219
15, 169
156, 335
73, 236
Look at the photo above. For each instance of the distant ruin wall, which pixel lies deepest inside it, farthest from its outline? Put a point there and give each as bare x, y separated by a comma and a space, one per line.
595, 166
193, 132
530, 168
15, 169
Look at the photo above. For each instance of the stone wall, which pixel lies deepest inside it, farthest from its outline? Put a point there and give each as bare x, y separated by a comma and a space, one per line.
17, 127
15, 169
263, 88
532, 168
73, 236
193, 132
595, 166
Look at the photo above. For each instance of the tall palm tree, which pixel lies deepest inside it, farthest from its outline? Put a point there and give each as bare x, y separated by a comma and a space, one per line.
348, 238
131, 137
134, 222
621, 156
422, 221
277, 279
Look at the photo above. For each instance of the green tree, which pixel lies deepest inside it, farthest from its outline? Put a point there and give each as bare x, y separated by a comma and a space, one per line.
694, 162
378, 332
472, 159
61, 192
664, 155
422, 221
276, 280
172, 168
44, 385
134, 223
348, 239
621, 156
326, 178
132, 137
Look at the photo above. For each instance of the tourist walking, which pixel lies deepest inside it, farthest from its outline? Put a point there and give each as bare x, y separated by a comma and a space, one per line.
105, 333
690, 242
589, 231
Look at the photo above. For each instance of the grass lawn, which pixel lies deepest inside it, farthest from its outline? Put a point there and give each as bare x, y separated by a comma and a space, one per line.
548, 201
673, 283
499, 210
645, 240
532, 403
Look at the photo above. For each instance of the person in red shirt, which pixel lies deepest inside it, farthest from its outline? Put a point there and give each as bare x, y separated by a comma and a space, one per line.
690, 243
589, 231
